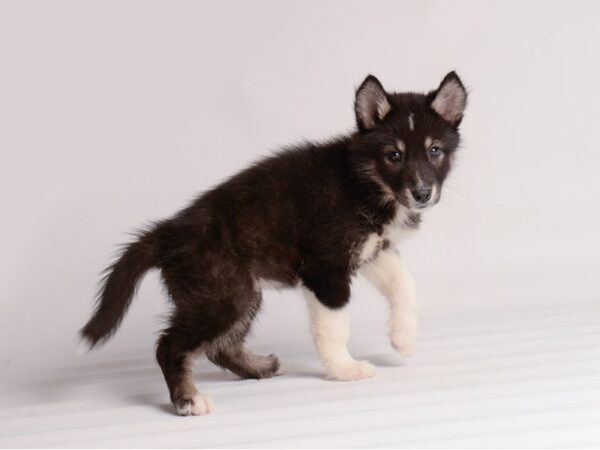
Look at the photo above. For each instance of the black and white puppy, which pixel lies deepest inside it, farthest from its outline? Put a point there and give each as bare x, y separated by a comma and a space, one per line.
310, 216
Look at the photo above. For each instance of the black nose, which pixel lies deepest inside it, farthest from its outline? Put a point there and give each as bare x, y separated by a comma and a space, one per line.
422, 195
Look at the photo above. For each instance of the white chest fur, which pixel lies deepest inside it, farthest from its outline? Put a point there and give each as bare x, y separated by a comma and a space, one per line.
400, 228
393, 233
370, 247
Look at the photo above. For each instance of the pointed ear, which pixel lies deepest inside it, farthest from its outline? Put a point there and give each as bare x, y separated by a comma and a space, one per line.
371, 104
450, 99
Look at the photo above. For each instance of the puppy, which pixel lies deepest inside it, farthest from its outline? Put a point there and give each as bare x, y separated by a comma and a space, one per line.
310, 216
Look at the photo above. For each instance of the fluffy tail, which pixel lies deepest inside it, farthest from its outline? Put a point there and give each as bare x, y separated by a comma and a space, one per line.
117, 288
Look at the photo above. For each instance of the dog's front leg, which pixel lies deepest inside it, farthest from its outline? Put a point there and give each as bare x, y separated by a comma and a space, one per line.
330, 327
389, 275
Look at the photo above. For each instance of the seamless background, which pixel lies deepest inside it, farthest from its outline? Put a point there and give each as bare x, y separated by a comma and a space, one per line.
114, 114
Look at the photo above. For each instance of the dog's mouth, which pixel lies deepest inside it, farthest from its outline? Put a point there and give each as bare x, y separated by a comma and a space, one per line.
406, 200
422, 207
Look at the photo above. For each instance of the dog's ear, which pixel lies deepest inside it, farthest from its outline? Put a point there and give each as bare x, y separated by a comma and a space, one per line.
371, 104
450, 99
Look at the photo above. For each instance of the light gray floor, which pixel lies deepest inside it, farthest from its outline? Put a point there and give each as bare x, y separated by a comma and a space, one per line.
527, 377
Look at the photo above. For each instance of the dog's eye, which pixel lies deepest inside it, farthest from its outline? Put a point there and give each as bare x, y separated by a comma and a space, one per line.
435, 152
395, 156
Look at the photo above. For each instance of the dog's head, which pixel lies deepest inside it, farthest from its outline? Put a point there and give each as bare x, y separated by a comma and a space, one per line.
406, 142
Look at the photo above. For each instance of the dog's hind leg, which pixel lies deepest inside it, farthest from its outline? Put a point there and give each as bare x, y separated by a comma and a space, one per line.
246, 364
228, 350
214, 319
175, 354
192, 326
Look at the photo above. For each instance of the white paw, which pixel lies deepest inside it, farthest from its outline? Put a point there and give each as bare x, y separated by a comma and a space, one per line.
403, 337
198, 405
353, 370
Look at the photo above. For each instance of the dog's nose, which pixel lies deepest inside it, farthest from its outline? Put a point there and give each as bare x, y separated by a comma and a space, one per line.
422, 195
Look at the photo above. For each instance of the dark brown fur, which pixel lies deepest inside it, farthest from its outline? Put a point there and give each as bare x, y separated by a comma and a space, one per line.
296, 217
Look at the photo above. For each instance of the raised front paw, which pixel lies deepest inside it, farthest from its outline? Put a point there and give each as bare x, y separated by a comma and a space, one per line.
403, 336
352, 371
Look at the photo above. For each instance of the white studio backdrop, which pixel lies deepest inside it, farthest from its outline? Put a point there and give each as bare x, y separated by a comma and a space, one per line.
114, 114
